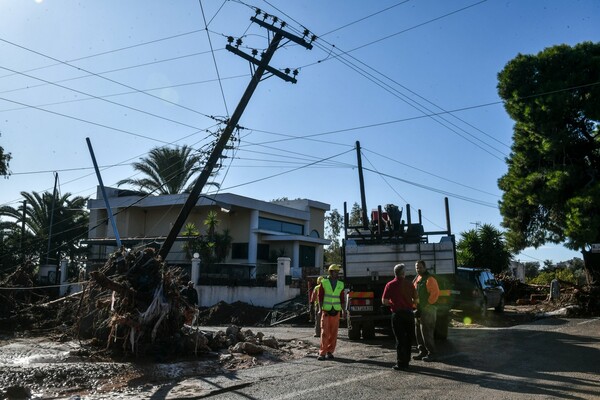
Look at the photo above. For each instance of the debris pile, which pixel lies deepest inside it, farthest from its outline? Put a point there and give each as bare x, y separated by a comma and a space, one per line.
237, 313
135, 307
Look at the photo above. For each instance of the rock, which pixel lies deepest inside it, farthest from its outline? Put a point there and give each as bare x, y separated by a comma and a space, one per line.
270, 342
17, 392
247, 348
232, 330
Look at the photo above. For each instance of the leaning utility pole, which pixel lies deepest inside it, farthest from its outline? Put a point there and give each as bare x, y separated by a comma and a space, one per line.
262, 67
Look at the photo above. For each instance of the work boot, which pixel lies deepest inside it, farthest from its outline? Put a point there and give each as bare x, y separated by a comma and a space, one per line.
329, 356
420, 356
429, 358
321, 358
400, 367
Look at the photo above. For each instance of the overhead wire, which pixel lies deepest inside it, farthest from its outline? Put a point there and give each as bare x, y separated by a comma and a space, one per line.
213, 57
411, 102
429, 173
121, 210
432, 189
107, 79
105, 100
394, 189
109, 52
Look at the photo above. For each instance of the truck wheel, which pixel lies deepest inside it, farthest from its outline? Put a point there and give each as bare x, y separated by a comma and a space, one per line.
483, 308
500, 307
368, 330
353, 330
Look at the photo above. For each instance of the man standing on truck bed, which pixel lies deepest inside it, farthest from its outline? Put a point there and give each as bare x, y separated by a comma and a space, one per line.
331, 304
428, 292
400, 295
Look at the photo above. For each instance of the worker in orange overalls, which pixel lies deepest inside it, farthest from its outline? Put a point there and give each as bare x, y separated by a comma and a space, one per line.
331, 304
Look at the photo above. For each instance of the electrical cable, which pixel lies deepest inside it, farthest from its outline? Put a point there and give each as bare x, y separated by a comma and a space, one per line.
107, 79
214, 59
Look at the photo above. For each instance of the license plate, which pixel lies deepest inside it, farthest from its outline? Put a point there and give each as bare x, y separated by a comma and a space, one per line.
361, 308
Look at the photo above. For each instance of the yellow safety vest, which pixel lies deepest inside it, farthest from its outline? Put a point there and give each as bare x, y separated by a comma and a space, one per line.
332, 296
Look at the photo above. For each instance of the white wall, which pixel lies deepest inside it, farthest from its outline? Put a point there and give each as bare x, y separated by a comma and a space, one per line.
257, 296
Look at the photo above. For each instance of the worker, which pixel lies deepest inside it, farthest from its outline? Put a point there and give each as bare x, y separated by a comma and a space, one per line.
331, 304
314, 302
428, 292
400, 295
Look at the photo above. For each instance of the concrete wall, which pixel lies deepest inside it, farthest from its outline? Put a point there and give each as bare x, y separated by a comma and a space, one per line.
257, 296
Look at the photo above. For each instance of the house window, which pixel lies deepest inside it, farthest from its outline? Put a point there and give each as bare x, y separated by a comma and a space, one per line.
280, 226
314, 233
307, 256
262, 251
239, 250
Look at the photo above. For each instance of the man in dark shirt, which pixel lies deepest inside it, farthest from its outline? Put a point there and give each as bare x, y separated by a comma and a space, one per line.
400, 295
190, 294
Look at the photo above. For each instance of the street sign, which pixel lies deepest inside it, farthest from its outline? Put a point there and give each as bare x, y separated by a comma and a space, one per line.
596, 248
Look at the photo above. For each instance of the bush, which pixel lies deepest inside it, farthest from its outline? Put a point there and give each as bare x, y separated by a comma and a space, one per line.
562, 274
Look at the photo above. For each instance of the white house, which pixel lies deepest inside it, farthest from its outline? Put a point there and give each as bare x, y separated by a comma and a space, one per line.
261, 231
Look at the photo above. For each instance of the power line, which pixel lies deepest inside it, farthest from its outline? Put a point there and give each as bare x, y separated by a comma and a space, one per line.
407, 100
213, 57
105, 100
109, 51
108, 79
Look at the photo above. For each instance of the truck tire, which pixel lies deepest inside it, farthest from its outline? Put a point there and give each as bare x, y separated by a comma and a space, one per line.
368, 330
353, 330
500, 307
483, 306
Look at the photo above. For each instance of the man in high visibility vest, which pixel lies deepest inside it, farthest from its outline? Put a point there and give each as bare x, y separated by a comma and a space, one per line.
428, 292
314, 303
331, 304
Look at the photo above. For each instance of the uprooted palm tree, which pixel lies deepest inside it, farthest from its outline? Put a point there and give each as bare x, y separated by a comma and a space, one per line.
167, 170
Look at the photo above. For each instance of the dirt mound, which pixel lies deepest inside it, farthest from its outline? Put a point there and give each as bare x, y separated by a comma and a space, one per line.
238, 313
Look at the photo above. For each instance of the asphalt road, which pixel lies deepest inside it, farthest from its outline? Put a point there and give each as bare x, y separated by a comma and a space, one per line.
548, 358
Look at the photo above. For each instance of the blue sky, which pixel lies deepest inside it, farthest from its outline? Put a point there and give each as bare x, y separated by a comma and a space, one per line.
413, 81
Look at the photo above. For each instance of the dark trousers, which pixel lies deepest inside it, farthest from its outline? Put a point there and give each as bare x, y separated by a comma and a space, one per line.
403, 326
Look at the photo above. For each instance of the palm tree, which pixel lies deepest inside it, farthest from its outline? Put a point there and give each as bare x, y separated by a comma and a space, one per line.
483, 248
167, 170
69, 225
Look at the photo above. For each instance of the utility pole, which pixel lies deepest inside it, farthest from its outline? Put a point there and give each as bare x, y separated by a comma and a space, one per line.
23, 231
361, 181
262, 67
51, 218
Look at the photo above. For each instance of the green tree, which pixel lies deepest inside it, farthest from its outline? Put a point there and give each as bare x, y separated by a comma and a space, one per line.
213, 247
10, 249
552, 187
355, 217
167, 171
4, 162
532, 269
483, 248
334, 223
69, 226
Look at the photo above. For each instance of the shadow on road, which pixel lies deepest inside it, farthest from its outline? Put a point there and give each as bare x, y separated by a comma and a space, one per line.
538, 359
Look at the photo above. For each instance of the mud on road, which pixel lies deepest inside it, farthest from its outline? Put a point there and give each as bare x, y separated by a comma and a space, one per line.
53, 366
43, 368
